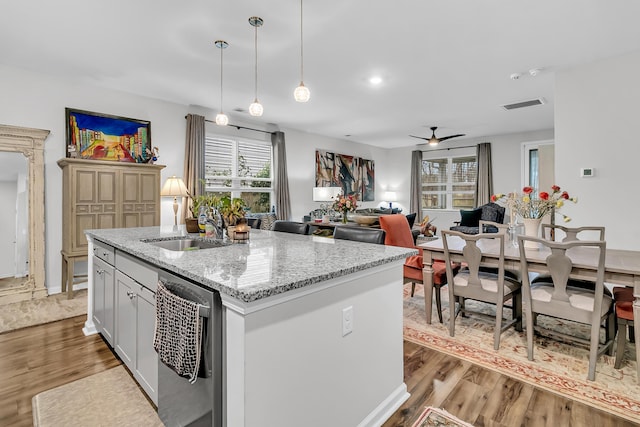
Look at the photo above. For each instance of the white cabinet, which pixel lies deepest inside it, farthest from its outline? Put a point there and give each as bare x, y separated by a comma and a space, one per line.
103, 298
135, 313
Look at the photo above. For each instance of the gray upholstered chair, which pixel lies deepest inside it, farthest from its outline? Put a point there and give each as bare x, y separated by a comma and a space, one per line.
473, 283
469, 219
360, 234
557, 299
290, 227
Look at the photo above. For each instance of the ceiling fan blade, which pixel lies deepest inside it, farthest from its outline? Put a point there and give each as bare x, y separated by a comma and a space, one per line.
450, 136
420, 137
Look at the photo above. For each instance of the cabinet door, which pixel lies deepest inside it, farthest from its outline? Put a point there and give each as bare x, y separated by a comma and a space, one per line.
125, 338
146, 357
103, 298
140, 198
93, 203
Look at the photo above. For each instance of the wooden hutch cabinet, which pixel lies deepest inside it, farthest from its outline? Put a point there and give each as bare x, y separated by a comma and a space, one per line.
103, 194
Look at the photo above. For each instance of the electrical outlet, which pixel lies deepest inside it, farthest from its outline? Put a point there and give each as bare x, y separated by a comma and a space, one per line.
347, 320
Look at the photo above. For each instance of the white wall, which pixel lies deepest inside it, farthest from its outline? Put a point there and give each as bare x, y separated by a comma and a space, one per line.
38, 101
596, 115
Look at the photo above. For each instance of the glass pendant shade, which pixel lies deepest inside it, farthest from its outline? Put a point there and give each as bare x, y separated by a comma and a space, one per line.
222, 119
302, 94
255, 109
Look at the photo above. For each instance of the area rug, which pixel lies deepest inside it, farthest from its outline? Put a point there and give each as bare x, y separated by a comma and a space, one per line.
557, 367
435, 417
43, 310
109, 398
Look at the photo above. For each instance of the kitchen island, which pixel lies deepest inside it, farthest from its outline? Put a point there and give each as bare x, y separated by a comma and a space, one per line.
311, 326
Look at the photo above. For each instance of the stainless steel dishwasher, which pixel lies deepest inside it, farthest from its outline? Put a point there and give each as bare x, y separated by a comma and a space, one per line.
200, 404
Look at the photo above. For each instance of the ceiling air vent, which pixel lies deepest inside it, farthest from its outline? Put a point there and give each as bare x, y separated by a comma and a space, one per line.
523, 104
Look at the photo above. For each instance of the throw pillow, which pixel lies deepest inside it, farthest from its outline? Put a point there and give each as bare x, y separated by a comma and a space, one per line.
470, 218
267, 221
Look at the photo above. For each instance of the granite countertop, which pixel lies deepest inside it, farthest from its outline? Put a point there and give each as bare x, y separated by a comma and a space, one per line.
269, 264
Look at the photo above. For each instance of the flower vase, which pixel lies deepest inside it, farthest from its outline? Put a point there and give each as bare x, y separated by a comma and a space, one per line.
532, 229
344, 218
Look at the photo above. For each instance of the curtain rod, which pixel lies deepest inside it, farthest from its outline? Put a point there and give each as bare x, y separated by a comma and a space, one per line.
449, 148
240, 127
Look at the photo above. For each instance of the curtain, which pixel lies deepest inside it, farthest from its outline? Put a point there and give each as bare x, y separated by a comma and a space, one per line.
281, 184
484, 181
416, 187
194, 156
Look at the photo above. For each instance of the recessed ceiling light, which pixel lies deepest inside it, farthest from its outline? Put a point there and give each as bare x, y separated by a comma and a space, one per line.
375, 80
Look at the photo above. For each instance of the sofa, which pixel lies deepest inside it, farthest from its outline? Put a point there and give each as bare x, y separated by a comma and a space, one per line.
470, 219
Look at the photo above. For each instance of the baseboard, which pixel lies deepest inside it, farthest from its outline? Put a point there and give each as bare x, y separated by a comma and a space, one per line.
386, 408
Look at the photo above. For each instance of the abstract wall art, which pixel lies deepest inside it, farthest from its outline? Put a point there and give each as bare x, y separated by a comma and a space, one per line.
354, 175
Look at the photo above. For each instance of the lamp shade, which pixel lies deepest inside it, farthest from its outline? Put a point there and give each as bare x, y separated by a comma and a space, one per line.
174, 187
390, 196
325, 194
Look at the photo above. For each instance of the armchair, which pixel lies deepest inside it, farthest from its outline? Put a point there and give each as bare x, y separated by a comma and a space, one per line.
470, 219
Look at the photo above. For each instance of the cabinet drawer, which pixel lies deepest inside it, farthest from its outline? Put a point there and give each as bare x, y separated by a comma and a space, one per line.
104, 252
138, 270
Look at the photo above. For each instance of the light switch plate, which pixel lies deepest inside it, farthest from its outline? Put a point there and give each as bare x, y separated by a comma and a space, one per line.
587, 172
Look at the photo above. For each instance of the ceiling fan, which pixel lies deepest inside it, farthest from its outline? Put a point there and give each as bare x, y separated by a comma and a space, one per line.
435, 141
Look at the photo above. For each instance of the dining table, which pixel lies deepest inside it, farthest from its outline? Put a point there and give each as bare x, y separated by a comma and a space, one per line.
622, 267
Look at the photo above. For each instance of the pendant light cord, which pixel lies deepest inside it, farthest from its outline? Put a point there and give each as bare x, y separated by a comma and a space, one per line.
301, 47
221, 78
256, 68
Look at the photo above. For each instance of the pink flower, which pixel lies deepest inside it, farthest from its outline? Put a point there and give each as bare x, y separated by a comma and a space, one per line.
555, 188
527, 190
544, 195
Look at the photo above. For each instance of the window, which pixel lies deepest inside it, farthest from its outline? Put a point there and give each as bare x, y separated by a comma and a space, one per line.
239, 168
449, 182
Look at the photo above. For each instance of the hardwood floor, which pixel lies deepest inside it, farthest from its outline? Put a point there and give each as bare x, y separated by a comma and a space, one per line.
485, 398
43, 357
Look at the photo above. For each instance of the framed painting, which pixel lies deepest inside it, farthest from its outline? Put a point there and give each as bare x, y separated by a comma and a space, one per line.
354, 175
97, 136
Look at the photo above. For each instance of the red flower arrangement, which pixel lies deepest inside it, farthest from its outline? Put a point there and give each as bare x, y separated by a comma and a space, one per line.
528, 205
345, 204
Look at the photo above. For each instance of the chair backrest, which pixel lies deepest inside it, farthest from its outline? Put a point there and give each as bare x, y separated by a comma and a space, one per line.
492, 212
411, 218
254, 222
360, 234
290, 227
559, 267
398, 232
571, 234
472, 256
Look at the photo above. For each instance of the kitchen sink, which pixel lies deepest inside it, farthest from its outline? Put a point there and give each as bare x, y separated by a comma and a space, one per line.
186, 244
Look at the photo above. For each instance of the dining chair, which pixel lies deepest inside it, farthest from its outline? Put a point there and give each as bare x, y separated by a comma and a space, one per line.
473, 283
623, 298
290, 227
398, 233
555, 298
360, 234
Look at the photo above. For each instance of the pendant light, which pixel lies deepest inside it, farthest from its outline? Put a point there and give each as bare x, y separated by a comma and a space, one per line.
301, 94
221, 117
255, 109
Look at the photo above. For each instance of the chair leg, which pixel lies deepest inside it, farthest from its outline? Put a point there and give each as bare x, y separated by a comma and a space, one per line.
610, 332
529, 320
498, 327
517, 310
413, 288
593, 350
452, 311
437, 289
620, 342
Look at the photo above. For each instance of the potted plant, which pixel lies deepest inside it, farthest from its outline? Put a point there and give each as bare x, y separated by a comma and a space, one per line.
209, 200
231, 209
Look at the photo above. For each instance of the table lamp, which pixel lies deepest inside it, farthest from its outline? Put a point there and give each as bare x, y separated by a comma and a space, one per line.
390, 196
174, 187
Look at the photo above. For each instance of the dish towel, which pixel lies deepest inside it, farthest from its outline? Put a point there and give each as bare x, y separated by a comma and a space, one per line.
178, 332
